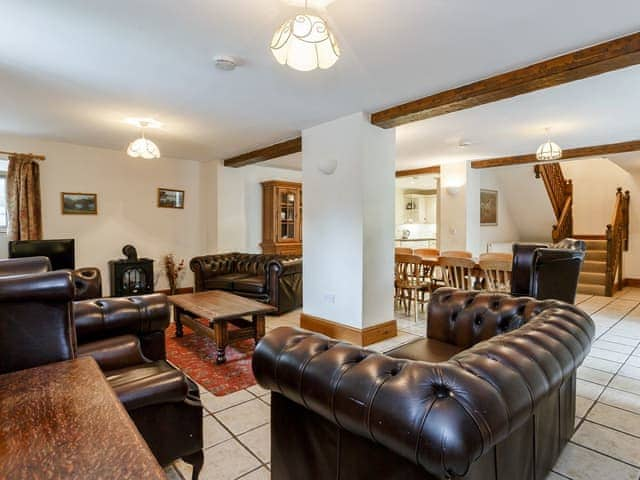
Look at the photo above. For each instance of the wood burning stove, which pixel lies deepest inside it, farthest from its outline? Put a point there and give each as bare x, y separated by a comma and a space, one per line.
131, 275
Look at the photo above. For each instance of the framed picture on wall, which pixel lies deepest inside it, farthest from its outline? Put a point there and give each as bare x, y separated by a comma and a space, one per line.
79, 203
169, 198
488, 208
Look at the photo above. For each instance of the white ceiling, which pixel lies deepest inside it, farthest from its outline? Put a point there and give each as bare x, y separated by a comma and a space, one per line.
72, 70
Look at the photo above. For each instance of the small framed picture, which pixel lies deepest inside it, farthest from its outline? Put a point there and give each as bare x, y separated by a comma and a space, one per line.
79, 203
169, 198
488, 208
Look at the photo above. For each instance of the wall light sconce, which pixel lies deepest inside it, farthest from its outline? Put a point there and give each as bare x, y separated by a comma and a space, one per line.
328, 166
453, 190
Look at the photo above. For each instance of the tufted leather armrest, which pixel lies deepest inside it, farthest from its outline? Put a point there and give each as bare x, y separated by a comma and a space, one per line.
206, 266
88, 282
109, 317
441, 416
285, 266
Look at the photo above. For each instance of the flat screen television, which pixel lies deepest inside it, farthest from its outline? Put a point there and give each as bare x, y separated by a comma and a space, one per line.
61, 253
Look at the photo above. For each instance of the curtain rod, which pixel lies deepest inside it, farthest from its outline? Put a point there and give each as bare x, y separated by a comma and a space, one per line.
29, 155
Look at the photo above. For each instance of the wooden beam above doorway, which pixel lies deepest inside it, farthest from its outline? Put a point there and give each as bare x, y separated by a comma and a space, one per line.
273, 151
418, 171
593, 151
580, 64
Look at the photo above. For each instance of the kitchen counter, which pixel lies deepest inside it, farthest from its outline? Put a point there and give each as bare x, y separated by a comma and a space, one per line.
415, 239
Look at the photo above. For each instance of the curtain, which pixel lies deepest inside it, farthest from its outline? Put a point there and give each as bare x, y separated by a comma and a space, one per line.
23, 199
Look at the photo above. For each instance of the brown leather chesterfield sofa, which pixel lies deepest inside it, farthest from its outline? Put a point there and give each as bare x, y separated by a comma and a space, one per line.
272, 279
489, 394
39, 323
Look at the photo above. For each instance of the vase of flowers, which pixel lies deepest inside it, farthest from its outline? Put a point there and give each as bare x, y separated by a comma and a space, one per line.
174, 270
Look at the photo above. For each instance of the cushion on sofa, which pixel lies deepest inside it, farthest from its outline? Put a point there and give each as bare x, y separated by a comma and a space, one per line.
426, 350
224, 282
255, 284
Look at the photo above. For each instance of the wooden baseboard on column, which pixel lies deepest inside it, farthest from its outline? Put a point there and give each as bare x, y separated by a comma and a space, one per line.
364, 337
631, 282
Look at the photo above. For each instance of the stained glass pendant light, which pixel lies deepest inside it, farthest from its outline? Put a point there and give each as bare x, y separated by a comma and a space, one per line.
143, 147
305, 43
549, 150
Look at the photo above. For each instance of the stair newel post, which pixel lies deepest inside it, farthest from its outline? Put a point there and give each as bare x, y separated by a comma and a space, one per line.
625, 205
610, 274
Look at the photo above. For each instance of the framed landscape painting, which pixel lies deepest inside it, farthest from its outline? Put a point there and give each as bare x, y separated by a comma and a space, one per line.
79, 203
488, 208
169, 198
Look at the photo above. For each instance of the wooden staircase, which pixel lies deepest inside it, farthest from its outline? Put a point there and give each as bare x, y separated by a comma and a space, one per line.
602, 269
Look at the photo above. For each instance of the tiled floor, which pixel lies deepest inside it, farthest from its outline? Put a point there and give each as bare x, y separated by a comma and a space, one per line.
606, 444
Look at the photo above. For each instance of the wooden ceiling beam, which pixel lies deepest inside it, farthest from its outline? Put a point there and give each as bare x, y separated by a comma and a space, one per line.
273, 151
580, 64
593, 151
418, 171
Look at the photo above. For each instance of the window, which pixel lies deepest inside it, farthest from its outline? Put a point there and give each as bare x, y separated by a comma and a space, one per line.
3, 201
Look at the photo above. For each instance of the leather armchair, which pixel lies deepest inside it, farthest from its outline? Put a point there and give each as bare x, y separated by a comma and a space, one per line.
547, 271
501, 408
24, 266
36, 326
126, 337
272, 279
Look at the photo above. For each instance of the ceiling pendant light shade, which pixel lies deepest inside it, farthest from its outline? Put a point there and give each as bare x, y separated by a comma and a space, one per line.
305, 43
549, 151
143, 147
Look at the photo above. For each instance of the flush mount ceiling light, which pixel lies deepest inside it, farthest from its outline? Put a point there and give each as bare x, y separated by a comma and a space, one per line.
305, 43
549, 150
143, 147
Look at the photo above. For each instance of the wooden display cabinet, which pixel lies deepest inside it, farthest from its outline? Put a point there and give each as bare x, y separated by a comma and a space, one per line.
281, 218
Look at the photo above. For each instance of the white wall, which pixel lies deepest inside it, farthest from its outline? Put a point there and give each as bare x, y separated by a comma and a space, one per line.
239, 209
127, 203
349, 222
479, 236
453, 206
594, 186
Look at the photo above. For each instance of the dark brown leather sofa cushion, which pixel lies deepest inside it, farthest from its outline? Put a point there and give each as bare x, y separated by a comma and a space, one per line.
225, 281
426, 350
257, 284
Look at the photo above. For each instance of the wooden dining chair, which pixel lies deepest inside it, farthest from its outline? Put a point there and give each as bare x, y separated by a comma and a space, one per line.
404, 251
497, 274
457, 254
458, 272
412, 282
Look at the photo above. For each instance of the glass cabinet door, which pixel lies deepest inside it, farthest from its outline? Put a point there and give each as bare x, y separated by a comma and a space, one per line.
288, 205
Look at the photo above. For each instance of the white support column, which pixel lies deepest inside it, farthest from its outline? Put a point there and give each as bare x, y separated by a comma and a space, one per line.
348, 221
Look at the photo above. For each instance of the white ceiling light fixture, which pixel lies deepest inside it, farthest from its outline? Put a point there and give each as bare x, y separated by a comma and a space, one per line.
305, 43
549, 150
143, 147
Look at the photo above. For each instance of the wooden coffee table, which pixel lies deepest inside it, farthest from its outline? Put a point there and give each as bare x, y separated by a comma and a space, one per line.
220, 309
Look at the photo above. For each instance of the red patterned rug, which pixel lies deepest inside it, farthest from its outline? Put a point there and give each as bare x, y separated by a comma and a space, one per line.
195, 355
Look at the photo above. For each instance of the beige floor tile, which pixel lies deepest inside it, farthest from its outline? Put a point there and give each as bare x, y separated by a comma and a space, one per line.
608, 355
588, 390
582, 406
630, 371
554, 476
611, 442
600, 364
259, 442
266, 398
579, 463
616, 418
245, 417
633, 361
595, 376
213, 432
226, 461
172, 473
620, 399
616, 343
627, 384
257, 390
260, 474
215, 404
